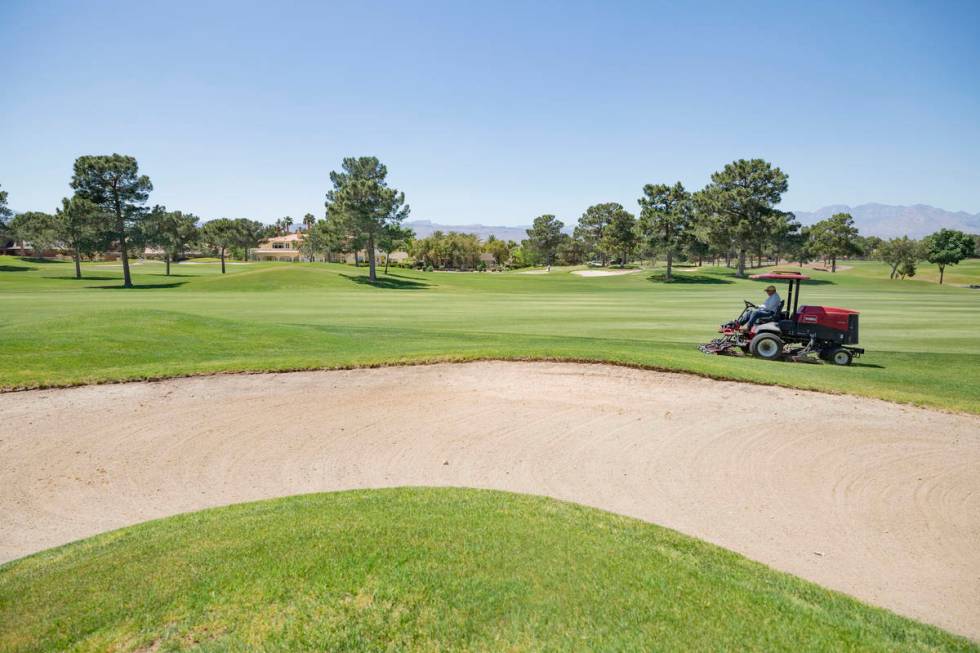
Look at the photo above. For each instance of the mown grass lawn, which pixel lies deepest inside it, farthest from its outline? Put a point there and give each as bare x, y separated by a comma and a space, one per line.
922, 339
424, 570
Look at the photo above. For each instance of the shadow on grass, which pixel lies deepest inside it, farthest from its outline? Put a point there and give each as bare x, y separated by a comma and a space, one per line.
142, 286
14, 268
85, 277
869, 365
390, 282
29, 259
811, 282
730, 274
686, 277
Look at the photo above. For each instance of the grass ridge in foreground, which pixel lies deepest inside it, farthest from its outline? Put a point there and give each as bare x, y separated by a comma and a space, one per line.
425, 569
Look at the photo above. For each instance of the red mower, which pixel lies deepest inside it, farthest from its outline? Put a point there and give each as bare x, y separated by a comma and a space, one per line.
827, 332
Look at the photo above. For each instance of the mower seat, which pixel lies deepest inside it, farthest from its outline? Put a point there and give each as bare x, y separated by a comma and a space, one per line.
778, 315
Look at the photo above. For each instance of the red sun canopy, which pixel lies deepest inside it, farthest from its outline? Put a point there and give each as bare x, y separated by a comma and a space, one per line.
790, 276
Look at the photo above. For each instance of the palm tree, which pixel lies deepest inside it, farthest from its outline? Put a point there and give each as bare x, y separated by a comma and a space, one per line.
308, 221
287, 222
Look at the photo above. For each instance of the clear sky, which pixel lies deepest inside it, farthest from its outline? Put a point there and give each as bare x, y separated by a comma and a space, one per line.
492, 112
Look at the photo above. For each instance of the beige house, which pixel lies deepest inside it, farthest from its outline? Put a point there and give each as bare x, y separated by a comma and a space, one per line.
278, 248
286, 249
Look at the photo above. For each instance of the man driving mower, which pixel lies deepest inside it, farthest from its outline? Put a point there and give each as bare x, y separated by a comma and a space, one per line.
769, 309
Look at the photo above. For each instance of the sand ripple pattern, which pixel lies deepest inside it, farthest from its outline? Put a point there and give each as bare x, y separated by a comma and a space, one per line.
874, 499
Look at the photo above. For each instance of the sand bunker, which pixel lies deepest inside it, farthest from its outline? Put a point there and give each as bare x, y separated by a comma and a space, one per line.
874, 499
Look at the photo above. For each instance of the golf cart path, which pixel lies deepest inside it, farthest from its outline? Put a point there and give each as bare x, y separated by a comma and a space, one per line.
878, 500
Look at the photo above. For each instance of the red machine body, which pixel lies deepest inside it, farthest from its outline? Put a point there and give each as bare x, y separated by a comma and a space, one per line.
826, 316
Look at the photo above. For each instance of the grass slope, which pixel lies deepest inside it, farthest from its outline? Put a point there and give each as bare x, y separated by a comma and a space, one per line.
921, 338
425, 570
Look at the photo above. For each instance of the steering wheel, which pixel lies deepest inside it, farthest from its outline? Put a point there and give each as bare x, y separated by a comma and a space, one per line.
749, 304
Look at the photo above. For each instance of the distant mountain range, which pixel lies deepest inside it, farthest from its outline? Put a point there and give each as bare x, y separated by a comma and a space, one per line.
425, 228
887, 221
883, 220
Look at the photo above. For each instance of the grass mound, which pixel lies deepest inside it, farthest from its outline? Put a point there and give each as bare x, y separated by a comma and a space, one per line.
424, 569
267, 279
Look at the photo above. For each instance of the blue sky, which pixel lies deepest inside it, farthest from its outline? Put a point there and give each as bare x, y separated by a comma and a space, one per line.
492, 112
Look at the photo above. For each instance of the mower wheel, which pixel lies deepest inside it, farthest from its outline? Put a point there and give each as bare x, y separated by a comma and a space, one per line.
767, 346
840, 356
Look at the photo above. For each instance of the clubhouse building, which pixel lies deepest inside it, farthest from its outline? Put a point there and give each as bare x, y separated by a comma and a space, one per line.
286, 249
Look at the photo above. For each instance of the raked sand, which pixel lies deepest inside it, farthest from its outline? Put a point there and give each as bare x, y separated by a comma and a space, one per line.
874, 499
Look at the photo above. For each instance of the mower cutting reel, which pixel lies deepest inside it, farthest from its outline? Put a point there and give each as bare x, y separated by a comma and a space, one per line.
733, 342
725, 346
805, 334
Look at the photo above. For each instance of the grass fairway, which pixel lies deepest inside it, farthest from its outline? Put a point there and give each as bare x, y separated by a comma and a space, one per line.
424, 569
921, 338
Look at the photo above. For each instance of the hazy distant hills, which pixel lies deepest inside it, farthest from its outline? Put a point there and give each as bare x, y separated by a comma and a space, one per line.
882, 220
424, 228
888, 221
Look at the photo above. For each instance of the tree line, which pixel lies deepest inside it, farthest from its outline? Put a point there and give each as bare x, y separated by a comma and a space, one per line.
943, 248
733, 218
108, 213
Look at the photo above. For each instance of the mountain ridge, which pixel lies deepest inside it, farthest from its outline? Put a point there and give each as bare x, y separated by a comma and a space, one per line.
872, 219
892, 220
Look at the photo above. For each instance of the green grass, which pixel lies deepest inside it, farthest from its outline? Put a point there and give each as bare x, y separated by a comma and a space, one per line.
962, 274
425, 570
921, 338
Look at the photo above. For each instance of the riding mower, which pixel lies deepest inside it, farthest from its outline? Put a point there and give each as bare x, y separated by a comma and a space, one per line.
799, 334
